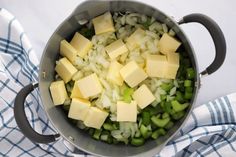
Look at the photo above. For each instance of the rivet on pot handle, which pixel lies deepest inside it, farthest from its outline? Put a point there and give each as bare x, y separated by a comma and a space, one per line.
217, 36
22, 121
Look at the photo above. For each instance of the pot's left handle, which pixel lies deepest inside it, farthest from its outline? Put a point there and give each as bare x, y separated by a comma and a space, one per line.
22, 121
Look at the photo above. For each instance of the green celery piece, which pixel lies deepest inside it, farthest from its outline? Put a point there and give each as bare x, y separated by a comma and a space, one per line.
97, 134
178, 115
161, 131
177, 106
104, 138
158, 132
167, 107
108, 126
165, 115
188, 95
187, 83
155, 134
163, 97
169, 125
147, 23
127, 94
179, 97
109, 140
189, 89
160, 122
190, 73
137, 134
166, 86
144, 131
137, 141
146, 118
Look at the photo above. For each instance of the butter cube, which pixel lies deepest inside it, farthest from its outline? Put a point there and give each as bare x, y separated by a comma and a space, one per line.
68, 51
75, 93
89, 86
95, 118
79, 109
133, 74
143, 96
172, 66
126, 112
58, 92
116, 48
156, 65
103, 23
81, 44
134, 40
65, 69
114, 73
168, 43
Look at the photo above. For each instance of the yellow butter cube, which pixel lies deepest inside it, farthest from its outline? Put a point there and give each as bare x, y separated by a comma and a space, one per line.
173, 65
68, 51
75, 93
133, 74
103, 23
81, 44
143, 96
95, 118
168, 43
133, 41
79, 109
58, 92
114, 73
89, 86
65, 69
126, 112
156, 65
116, 48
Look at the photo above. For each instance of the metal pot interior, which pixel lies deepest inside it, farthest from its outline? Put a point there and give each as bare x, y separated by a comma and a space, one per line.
82, 140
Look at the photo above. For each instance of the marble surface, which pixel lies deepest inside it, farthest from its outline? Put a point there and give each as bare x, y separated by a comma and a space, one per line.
40, 19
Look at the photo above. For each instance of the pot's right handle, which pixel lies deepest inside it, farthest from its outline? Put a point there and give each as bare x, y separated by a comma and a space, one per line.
21, 119
217, 36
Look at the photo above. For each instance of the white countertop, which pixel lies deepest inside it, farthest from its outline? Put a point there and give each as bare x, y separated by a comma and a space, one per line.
40, 19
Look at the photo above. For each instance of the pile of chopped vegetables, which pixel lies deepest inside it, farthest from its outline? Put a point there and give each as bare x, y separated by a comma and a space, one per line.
123, 78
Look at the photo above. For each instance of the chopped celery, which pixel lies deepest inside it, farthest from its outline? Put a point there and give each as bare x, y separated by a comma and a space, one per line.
108, 126
190, 73
104, 137
137, 141
179, 97
145, 132
188, 95
189, 89
167, 107
178, 115
137, 134
158, 132
146, 118
166, 86
177, 106
169, 125
160, 122
97, 134
187, 83
127, 94
165, 115
163, 97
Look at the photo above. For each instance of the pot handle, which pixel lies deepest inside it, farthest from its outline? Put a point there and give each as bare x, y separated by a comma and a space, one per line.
217, 36
22, 121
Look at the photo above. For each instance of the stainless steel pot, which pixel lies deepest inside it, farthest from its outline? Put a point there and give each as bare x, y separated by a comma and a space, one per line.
70, 133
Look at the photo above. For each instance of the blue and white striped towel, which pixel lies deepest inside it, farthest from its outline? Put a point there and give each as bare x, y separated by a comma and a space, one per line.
209, 131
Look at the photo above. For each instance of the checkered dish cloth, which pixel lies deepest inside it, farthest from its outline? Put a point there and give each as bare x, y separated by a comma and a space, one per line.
209, 131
